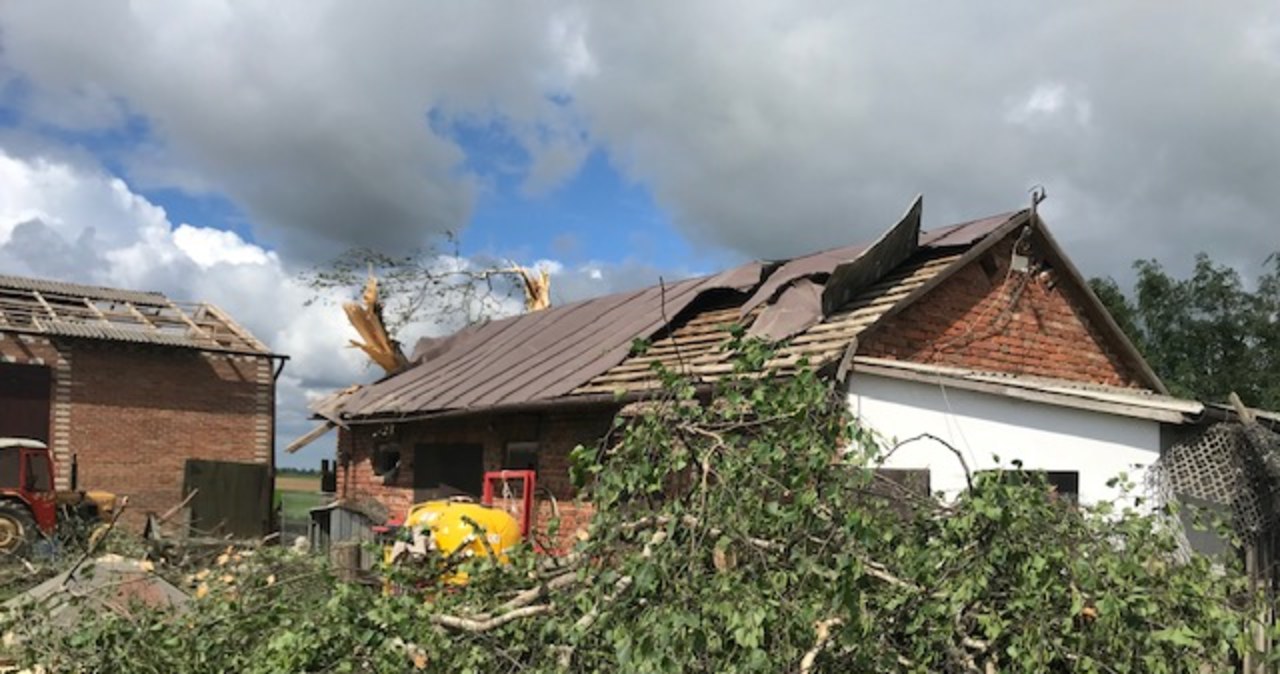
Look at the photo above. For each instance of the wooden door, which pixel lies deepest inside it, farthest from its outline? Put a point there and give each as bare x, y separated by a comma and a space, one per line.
26, 401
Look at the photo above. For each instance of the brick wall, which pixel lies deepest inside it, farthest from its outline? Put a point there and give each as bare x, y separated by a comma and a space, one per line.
984, 318
133, 415
556, 433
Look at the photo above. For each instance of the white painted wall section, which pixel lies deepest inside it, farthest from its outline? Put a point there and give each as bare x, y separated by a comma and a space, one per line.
1099, 446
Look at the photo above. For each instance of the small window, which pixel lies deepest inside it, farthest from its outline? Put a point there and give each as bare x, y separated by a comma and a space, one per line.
386, 460
39, 475
9, 462
521, 456
1063, 485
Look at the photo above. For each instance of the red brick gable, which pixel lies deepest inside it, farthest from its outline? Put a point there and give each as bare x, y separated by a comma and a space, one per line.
985, 318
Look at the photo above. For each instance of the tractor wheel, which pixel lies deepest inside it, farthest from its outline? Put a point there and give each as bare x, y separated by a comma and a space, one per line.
17, 529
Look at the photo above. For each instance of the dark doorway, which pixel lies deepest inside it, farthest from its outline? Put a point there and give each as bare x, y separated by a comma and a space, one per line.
26, 393
441, 471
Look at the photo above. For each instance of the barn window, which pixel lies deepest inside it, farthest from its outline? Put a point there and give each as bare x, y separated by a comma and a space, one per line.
386, 459
1063, 485
447, 470
521, 456
26, 395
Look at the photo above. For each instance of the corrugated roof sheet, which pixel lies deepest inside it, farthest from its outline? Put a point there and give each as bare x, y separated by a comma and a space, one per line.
585, 347
79, 290
36, 306
537, 356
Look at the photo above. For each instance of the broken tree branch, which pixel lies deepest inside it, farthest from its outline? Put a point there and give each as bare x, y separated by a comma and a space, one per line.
94, 542
823, 629
477, 626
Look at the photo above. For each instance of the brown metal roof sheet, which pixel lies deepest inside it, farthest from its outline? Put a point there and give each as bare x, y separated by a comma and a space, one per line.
585, 347
537, 356
696, 347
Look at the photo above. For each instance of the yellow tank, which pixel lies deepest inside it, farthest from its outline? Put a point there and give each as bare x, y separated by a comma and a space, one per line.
450, 524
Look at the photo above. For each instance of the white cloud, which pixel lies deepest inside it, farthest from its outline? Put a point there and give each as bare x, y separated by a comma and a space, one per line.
45, 214
207, 247
1047, 103
770, 127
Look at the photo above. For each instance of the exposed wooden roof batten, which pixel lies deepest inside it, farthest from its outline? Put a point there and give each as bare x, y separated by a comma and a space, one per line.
36, 306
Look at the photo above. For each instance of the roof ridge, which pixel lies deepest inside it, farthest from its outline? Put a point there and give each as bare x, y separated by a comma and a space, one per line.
70, 287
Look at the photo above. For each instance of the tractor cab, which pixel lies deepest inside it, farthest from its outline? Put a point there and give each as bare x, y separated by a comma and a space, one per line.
28, 500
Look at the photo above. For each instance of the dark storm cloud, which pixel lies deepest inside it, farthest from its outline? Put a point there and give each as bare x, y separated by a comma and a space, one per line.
766, 128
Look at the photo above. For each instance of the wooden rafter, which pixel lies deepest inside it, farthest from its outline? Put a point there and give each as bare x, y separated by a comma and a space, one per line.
90, 312
139, 315
190, 323
234, 327
40, 298
97, 312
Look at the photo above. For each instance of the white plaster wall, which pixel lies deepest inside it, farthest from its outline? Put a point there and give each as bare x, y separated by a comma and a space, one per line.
1045, 437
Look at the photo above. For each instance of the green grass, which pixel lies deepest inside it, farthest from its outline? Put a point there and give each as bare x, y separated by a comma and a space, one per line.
296, 495
294, 505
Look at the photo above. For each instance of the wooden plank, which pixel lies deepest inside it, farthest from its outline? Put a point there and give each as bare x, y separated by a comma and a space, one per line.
309, 437
43, 303
98, 312
138, 315
248, 340
191, 324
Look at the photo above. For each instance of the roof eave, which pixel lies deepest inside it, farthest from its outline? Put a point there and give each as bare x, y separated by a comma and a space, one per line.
185, 347
1162, 411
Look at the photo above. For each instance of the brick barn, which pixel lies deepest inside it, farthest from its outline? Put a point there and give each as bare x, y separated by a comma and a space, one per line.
982, 334
135, 387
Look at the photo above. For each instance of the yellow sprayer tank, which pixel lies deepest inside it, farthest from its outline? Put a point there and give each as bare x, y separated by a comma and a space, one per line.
450, 524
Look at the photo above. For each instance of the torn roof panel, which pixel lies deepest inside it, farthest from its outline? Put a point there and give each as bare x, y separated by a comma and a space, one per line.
695, 347
537, 356
585, 347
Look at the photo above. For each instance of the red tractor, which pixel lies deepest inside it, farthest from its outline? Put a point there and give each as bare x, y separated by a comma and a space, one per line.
31, 507
28, 500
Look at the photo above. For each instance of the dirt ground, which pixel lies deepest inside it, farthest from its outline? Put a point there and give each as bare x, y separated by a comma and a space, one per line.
298, 483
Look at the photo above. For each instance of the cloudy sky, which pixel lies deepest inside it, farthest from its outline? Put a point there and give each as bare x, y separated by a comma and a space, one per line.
213, 150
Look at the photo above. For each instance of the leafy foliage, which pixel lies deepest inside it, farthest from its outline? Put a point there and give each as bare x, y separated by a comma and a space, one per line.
1206, 335
742, 532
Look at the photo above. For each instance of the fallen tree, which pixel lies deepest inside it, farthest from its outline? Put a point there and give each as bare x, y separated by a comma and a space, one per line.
748, 532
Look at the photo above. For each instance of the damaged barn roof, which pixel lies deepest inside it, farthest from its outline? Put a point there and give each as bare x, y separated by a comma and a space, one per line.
36, 306
819, 304
536, 356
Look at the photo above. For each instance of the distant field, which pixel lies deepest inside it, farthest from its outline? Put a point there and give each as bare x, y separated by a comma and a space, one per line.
298, 494
298, 483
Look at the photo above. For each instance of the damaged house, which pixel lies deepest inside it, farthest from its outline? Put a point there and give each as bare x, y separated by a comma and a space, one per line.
972, 340
148, 397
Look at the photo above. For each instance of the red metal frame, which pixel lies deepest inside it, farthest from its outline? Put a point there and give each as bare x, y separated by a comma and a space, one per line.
528, 480
43, 504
